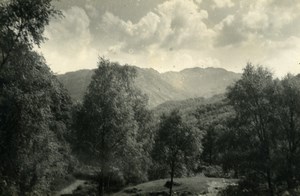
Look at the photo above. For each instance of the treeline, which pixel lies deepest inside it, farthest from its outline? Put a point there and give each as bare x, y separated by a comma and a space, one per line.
252, 133
259, 141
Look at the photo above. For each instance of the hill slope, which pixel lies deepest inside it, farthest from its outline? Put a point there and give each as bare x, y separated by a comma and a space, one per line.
162, 87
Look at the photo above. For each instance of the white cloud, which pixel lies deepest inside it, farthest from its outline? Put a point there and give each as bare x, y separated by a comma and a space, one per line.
256, 19
69, 47
74, 24
174, 24
283, 56
223, 3
225, 22
177, 34
269, 15
198, 1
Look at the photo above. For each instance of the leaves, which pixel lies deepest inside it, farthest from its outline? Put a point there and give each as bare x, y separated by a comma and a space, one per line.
31, 110
112, 122
176, 143
22, 24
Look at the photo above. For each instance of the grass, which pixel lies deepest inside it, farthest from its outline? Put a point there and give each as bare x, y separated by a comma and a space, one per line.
198, 185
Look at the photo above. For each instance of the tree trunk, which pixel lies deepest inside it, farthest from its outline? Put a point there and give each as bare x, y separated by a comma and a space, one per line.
101, 187
270, 183
290, 179
269, 169
210, 157
108, 181
291, 147
172, 176
236, 172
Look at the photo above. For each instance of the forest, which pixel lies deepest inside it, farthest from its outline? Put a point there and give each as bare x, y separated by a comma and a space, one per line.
112, 140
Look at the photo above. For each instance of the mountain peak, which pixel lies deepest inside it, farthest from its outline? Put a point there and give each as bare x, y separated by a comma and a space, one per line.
160, 87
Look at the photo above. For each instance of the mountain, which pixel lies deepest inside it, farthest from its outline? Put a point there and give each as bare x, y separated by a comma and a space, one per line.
199, 82
162, 87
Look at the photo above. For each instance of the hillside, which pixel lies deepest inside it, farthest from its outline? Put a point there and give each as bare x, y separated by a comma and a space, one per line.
162, 87
199, 82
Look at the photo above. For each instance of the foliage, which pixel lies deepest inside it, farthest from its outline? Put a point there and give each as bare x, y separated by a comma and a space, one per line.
112, 123
34, 107
22, 23
288, 130
176, 144
34, 116
261, 141
251, 99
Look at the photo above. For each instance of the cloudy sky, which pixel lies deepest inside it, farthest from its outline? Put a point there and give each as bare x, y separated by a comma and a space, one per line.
175, 34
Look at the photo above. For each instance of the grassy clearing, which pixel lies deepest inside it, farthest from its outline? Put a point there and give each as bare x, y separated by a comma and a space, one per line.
198, 185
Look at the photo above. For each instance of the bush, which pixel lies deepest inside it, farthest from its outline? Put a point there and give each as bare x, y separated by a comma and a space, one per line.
213, 171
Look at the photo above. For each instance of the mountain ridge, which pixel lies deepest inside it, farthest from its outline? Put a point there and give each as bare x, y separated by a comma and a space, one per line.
161, 87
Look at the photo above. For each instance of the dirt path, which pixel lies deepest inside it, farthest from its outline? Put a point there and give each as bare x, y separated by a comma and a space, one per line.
69, 189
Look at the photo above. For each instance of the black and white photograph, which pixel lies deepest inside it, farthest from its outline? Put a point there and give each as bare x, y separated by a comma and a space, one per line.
150, 97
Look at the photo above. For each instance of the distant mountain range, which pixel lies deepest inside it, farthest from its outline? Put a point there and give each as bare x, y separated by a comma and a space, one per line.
162, 87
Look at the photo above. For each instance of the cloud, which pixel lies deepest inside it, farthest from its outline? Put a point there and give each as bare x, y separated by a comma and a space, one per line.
74, 24
222, 3
268, 15
176, 34
173, 24
135, 35
69, 47
264, 19
228, 32
283, 56
256, 19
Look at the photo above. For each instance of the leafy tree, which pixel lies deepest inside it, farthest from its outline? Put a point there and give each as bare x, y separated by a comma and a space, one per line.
34, 115
111, 123
34, 107
251, 98
213, 120
22, 23
288, 125
176, 143
210, 144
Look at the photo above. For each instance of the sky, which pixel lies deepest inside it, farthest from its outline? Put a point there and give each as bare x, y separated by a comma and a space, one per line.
171, 35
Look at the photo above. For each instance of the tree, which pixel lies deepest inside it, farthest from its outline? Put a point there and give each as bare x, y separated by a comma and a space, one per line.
251, 98
176, 143
22, 23
210, 154
288, 115
34, 107
112, 120
34, 116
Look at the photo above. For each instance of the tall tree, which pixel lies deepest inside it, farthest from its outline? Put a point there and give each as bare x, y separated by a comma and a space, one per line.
34, 106
175, 143
287, 104
210, 151
111, 119
251, 98
34, 115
